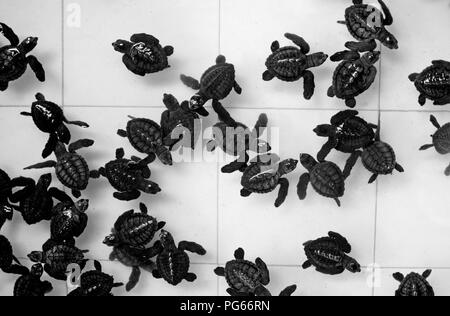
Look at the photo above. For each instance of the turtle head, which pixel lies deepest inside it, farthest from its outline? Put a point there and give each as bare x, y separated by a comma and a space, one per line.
60, 149
317, 59
151, 187
307, 161
36, 256
197, 101
82, 205
110, 240
122, 46
165, 156
352, 265
371, 58
325, 130
167, 239
37, 270
45, 180
388, 40
288, 165
28, 44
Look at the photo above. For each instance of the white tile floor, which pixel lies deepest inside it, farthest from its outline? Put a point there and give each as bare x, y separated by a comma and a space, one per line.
397, 224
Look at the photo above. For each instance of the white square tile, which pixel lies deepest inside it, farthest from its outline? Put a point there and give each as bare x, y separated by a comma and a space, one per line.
40, 18
94, 72
412, 220
278, 234
246, 40
413, 20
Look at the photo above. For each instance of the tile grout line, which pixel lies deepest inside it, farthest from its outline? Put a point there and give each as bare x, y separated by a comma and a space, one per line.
217, 163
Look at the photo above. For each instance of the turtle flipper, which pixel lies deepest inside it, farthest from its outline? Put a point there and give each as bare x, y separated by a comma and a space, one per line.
331, 92
441, 63
168, 50
236, 165
190, 82
82, 143
309, 84
350, 102
262, 291
171, 102
42, 165
59, 195
237, 88
399, 168
268, 75
127, 196
289, 290
223, 114
422, 99
16, 269
306, 265
434, 121
262, 266
425, 147
345, 55
191, 277
351, 163
247, 193
201, 111
77, 123
50, 146
275, 46
221, 60
9, 34
342, 116
299, 41
356, 2
388, 19
36, 66
192, 247
120, 153
398, 276
413, 77
447, 171
282, 194
326, 149
302, 186
442, 101
365, 46
3, 85
134, 279
373, 178
146, 38
220, 271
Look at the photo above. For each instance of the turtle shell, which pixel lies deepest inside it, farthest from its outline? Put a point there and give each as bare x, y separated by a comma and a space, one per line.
355, 133
351, 79
47, 116
434, 82
287, 63
258, 179
136, 230
37, 207
379, 158
149, 58
243, 275
441, 139
6, 253
68, 222
95, 283
13, 63
325, 254
356, 18
173, 265
179, 118
414, 285
122, 177
29, 286
58, 257
218, 81
145, 135
328, 180
73, 171
232, 145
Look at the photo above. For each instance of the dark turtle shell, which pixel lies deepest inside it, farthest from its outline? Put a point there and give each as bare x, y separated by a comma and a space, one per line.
94, 283
13, 63
122, 177
145, 135
326, 255
136, 229
355, 133
128, 256
232, 145
379, 158
180, 117
243, 275
31, 286
414, 285
356, 18
328, 180
73, 171
47, 116
173, 265
351, 79
284, 63
434, 82
149, 58
58, 257
37, 207
218, 81
441, 139
68, 222
6, 253
257, 179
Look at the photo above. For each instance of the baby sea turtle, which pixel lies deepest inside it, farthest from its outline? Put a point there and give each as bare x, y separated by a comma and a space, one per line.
326, 177
14, 60
143, 54
50, 119
441, 140
31, 285
379, 158
95, 283
329, 255
346, 133
265, 173
173, 263
136, 258
366, 23
353, 76
69, 220
236, 139
7, 258
36, 205
433, 83
246, 278
129, 177
70, 168
414, 284
57, 256
146, 136
291, 63
6, 194
134, 229
216, 84
180, 121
